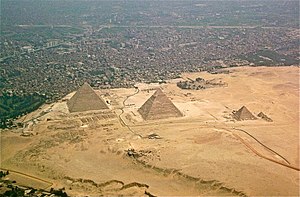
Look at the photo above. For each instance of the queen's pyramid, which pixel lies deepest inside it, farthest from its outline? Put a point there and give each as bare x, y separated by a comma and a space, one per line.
85, 99
244, 114
159, 106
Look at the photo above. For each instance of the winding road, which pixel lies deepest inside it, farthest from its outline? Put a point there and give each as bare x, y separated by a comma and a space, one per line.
120, 118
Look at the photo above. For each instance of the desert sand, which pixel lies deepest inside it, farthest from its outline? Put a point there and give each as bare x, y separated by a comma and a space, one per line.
205, 152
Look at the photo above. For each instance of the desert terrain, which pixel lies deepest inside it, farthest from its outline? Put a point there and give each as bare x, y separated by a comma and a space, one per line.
206, 152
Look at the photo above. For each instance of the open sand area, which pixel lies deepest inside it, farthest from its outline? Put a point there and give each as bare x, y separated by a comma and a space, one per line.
205, 152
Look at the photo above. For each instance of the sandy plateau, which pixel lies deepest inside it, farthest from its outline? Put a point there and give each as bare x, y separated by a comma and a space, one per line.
205, 152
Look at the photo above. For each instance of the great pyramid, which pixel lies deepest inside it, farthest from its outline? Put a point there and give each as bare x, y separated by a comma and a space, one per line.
159, 106
85, 99
243, 114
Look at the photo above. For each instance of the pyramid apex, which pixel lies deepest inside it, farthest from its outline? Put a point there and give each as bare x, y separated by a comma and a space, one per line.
85, 84
158, 92
243, 108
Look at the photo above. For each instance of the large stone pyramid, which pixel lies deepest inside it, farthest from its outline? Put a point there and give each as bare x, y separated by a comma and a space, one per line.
159, 106
243, 114
85, 99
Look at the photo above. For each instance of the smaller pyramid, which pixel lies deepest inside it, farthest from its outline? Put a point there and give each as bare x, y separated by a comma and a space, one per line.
243, 114
86, 99
261, 114
264, 117
159, 106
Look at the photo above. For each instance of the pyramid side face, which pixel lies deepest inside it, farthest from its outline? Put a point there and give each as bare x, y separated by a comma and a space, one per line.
146, 107
158, 106
85, 99
244, 114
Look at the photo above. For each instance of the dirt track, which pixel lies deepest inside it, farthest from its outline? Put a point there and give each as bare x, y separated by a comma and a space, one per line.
267, 158
30, 177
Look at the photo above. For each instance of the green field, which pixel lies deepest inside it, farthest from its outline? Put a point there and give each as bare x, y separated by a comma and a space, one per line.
12, 106
268, 58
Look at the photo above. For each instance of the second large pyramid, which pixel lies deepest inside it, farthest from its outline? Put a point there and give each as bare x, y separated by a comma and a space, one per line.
159, 106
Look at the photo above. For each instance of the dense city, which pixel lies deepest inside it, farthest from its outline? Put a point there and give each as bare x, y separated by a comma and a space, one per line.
122, 47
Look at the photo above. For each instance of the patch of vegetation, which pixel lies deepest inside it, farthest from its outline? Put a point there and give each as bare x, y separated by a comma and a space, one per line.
200, 84
113, 44
12, 106
15, 191
3, 173
268, 57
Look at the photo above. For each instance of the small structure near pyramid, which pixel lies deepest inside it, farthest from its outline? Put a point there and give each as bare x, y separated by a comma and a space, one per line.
86, 99
264, 117
159, 106
243, 114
